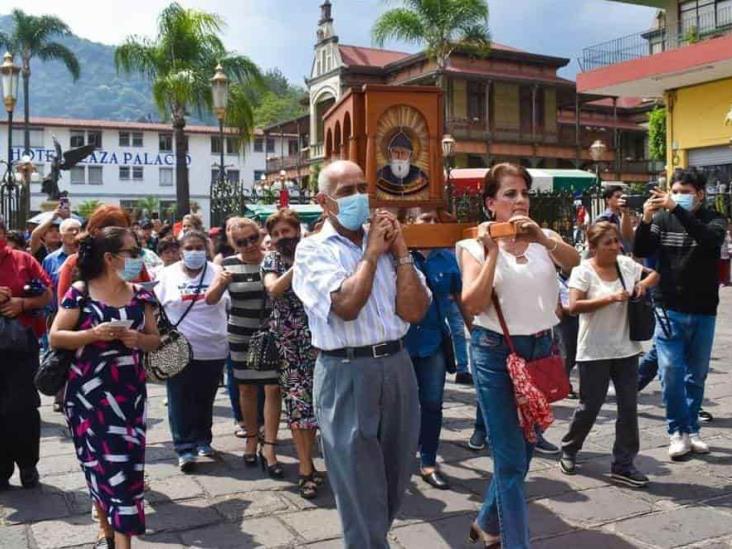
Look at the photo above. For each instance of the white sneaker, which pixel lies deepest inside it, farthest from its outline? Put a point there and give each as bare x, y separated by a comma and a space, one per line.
698, 446
679, 446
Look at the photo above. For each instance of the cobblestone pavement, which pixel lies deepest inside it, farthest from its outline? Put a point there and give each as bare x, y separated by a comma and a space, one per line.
227, 505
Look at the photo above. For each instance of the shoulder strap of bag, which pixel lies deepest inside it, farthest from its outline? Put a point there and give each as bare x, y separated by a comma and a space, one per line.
84, 299
193, 301
502, 322
620, 275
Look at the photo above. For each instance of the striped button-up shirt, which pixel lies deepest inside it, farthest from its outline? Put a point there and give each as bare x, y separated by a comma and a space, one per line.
322, 263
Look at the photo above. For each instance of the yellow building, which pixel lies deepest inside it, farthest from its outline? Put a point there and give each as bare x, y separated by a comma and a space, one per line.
685, 58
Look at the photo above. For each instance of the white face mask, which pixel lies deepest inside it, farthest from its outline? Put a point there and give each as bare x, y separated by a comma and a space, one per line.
400, 168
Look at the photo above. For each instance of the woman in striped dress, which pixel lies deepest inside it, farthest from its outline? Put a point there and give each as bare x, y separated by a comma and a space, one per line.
248, 313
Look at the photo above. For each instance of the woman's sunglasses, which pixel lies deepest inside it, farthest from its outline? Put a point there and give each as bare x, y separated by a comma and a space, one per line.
246, 242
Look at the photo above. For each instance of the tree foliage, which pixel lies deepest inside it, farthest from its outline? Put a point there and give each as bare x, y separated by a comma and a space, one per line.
86, 208
278, 100
440, 26
657, 133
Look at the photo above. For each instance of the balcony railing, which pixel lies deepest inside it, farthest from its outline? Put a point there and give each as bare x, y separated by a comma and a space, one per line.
317, 151
643, 44
286, 162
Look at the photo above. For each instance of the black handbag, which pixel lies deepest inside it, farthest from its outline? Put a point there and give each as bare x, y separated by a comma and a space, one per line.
55, 363
641, 318
262, 353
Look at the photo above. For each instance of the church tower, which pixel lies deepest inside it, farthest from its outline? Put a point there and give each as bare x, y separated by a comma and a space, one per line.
324, 84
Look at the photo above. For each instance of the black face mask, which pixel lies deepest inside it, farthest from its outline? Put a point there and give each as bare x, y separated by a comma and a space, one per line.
286, 246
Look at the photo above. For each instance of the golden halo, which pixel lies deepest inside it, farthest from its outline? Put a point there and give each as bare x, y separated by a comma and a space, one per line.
410, 121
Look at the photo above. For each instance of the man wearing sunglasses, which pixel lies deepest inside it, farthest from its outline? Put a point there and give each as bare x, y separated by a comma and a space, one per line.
361, 292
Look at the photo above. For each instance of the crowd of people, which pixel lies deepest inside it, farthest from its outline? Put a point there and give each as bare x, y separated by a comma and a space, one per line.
365, 331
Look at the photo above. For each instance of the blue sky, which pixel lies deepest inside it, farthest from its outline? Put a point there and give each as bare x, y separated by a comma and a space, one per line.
281, 33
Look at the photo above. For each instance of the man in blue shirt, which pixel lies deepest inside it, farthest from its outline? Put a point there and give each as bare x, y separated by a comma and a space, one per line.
425, 345
68, 230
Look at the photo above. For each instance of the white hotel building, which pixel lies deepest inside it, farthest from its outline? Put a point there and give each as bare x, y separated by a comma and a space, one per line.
135, 160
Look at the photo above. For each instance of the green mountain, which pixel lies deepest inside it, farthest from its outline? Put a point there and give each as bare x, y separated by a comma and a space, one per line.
99, 93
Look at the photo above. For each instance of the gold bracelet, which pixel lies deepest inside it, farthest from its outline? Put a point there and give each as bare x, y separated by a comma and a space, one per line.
556, 245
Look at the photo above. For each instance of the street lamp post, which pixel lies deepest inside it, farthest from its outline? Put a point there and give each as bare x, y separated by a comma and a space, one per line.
10, 197
220, 90
10, 73
597, 152
448, 153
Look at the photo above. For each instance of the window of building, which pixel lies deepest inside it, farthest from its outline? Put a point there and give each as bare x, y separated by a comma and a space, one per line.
137, 139
700, 16
94, 138
34, 134
215, 144
76, 139
270, 145
258, 175
166, 177
96, 174
165, 142
77, 175
137, 173
476, 101
232, 145
124, 139
258, 145
214, 175
124, 172
232, 176
292, 147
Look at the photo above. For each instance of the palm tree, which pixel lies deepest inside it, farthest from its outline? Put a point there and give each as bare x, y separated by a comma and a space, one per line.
441, 26
31, 38
180, 62
87, 208
148, 205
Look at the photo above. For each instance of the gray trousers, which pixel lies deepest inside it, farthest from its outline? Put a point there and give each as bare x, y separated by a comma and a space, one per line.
594, 379
368, 414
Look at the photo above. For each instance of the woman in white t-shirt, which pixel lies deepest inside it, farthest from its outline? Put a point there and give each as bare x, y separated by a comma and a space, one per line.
604, 349
521, 273
181, 290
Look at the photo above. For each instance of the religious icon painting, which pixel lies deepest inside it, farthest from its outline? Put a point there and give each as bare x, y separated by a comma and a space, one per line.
402, 155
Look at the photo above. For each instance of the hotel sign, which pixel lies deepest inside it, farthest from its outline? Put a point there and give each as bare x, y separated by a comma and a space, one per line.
102, 157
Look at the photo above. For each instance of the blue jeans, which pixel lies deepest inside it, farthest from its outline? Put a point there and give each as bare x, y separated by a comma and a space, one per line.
191, 396
457, 329
430, 373
504, 508
683, 359
233, 389
648, 367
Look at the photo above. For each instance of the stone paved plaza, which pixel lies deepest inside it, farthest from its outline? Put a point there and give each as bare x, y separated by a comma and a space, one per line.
227, 505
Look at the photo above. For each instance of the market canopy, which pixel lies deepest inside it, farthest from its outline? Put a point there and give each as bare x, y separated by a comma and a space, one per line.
309, 213
545, 180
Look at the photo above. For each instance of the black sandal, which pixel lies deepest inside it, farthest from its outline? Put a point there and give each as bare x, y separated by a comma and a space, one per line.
250, 460
308, 486
275, 470
104, 543
318, 476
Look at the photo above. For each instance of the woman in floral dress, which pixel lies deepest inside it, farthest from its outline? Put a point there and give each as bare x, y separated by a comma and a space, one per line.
105, 396
290, 324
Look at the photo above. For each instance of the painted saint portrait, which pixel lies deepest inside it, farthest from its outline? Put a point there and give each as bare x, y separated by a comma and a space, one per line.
402, 154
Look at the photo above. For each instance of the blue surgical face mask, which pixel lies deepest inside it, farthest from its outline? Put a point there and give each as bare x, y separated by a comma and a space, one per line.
132, 268
194, 259
685, 201
353, 211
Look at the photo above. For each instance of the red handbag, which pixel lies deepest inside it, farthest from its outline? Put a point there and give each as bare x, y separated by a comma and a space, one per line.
546, 374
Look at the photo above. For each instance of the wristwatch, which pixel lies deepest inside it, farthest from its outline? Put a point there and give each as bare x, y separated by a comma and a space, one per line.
404, 260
